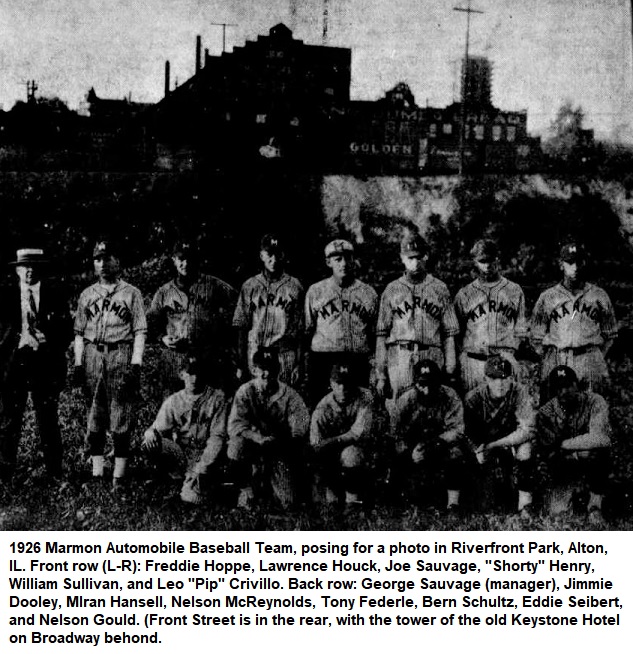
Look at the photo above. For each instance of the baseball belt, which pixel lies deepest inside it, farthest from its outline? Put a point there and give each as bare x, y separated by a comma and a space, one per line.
109, 347
480, 356
583, 349
411, 346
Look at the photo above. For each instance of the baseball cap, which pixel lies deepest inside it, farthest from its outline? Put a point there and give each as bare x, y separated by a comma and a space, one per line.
571, 252
412, 244
562, 377
485, 250
341, 373
193, 364
266, 359
271, 244
426, 371
498, 368
184, 249
105, 248
339, 247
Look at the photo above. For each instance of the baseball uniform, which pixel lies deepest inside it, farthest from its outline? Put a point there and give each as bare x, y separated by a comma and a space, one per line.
191, 429
108, 318
492, 319
341, 321
281, 416
572, 329
414, 319
197, 316
272, 312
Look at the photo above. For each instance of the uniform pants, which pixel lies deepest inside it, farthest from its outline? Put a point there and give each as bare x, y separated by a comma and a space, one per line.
288, 361
400, 364
342, 468
28, 372
590, 366
472, 370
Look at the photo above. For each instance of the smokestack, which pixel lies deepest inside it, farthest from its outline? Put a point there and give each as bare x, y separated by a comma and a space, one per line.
206, 56
198, 52
167, 84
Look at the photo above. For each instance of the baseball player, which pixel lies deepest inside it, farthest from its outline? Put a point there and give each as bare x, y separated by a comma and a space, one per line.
193, 310
340, 318
110, 330
416, 321
267, 428
269, 312
190, 429
428, 429
574, 436
491, 315
500, 426
573, 324
340, 431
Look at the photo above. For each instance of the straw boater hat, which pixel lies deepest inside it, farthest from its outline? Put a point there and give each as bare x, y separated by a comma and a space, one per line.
29, 257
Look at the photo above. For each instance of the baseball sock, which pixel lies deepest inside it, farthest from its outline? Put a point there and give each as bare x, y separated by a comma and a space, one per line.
120, 464
595, 501
525, 499
453, 498
97, 465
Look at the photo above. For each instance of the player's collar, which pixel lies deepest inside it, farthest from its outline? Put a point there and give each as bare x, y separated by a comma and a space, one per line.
479, 283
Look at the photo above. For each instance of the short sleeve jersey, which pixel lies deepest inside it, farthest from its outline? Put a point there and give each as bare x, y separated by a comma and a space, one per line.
190, 419
565, 320
488, 420
331, 419
417, 422
110, 315
421, 313
272, 311
341, 319
201, 313
282, 415
491, 315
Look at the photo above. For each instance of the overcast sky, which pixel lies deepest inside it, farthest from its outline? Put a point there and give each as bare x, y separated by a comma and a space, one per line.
543, 51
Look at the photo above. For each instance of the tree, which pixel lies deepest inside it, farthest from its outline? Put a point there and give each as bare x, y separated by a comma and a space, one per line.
568, 140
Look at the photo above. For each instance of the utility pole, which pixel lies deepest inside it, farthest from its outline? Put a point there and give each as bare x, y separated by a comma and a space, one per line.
326, 21
462, 129
224, 26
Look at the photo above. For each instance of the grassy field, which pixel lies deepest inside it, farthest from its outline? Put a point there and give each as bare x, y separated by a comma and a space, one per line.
32, 502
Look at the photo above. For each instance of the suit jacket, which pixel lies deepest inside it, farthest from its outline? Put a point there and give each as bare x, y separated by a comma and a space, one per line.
53, 320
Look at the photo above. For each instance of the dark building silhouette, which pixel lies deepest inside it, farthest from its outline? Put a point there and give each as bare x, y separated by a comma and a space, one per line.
476, 82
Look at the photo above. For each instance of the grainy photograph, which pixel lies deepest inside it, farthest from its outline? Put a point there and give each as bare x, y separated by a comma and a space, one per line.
316, 265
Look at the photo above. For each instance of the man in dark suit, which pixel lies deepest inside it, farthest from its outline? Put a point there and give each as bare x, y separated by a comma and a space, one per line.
35, 332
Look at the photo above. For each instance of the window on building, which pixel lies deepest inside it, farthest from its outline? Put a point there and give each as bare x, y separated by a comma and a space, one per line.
479, 132
260, 119
496, 132
433, 130
447, 128
511, 133
466, 131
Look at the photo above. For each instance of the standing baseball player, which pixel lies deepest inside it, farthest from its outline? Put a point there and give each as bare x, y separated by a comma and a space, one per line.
574, 436
269, 313
340, 433
267, 427
35, 332
491, 315
193, 310
416, 321
428, 432
573, 324
500, 426
340, 316
110, 330
190, 430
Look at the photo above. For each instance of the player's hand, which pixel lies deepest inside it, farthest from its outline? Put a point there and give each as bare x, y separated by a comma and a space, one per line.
262, 440
79, 377
480, 453
295, 376
150, 441
418, 453
401, 447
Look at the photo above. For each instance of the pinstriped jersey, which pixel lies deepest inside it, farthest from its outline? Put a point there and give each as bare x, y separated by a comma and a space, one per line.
110, 315
422, 312
564, 319
199, 313
491, 315
271, 310
341, 319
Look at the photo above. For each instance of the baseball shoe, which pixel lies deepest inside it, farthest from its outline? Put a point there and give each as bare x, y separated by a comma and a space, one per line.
595, 519
246, 498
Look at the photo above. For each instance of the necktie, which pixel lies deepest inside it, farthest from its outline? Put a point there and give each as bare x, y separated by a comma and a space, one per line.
32, 314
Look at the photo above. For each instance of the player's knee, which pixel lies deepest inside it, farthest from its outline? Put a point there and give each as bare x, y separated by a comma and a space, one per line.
524, 452
352, 457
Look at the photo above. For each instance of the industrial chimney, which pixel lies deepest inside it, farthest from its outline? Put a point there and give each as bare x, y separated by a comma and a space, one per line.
167, 83
198, 52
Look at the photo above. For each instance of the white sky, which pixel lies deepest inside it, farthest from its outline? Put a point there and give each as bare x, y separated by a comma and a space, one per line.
543, 51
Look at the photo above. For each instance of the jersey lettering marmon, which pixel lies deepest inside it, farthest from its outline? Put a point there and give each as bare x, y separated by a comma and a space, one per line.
565, 320
271, 310
199, 313
342, 319
421, 313
110, 316
491, 315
